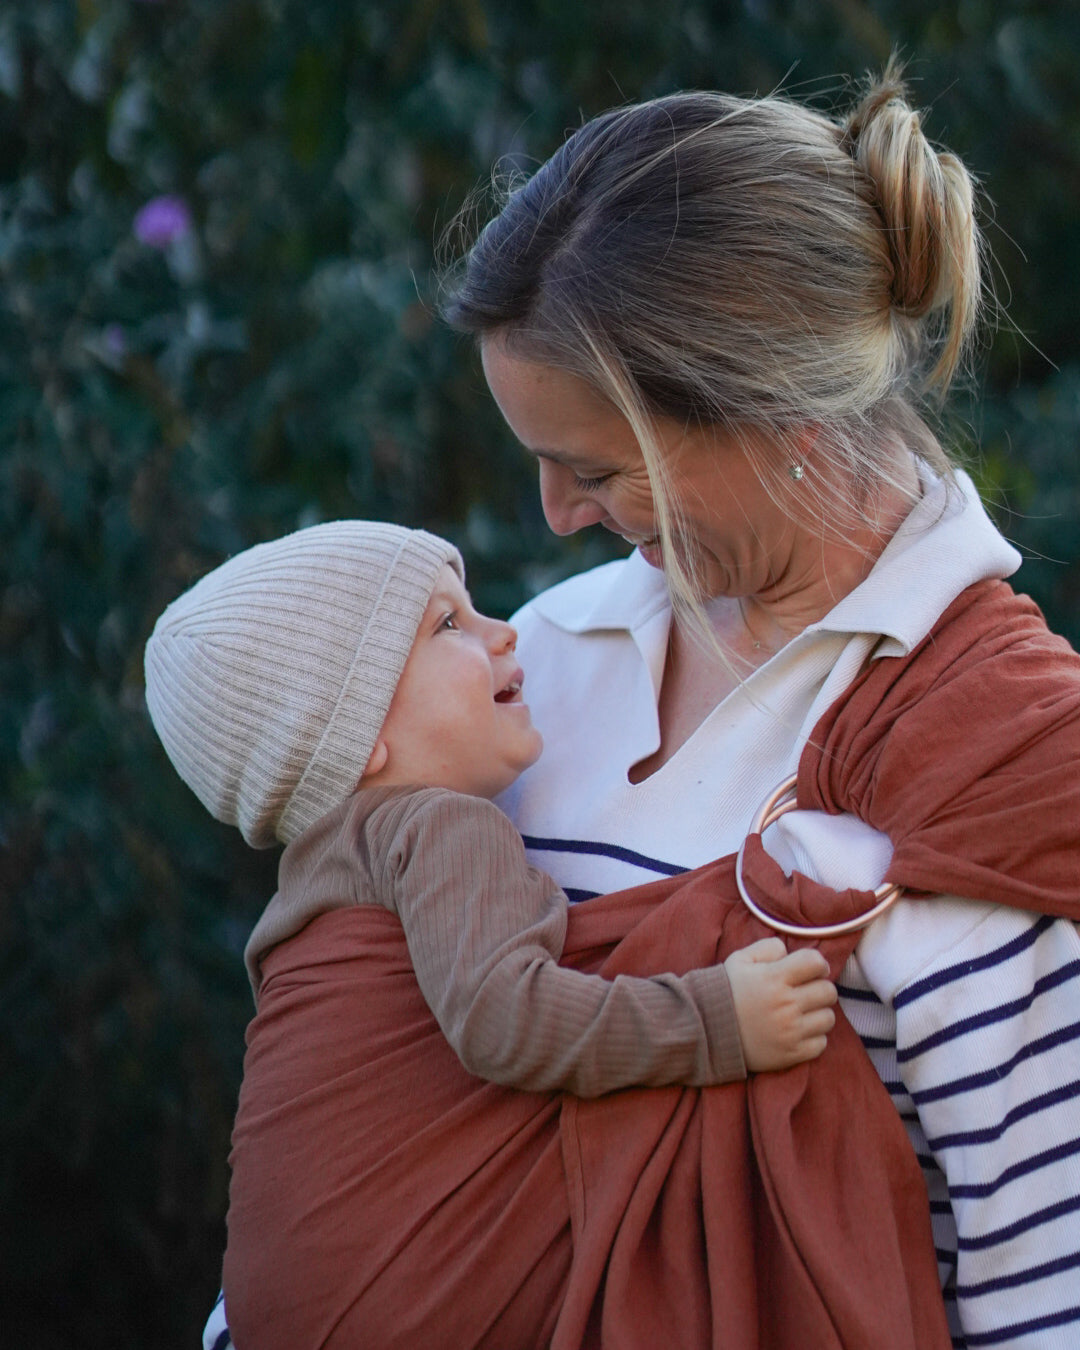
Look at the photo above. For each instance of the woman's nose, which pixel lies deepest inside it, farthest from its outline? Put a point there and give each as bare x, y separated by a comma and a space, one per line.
566, 509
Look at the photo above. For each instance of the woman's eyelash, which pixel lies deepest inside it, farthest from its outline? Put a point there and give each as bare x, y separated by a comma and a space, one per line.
589, 484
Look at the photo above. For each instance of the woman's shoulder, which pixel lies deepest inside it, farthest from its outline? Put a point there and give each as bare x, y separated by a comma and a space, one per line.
990, 638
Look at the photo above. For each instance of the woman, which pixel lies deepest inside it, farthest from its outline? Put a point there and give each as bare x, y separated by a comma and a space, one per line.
712, 321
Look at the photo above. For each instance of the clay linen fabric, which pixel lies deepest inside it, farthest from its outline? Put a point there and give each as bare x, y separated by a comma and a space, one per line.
383, 1197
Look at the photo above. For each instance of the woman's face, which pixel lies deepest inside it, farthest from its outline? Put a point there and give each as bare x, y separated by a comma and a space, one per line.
592, 473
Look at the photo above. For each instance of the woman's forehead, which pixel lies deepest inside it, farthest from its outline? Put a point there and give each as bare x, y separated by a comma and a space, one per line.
551, 411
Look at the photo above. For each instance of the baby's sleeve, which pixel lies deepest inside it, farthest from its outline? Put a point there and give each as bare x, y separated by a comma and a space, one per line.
485, 932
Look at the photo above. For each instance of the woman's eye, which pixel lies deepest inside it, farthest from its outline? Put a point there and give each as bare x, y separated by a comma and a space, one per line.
589, 484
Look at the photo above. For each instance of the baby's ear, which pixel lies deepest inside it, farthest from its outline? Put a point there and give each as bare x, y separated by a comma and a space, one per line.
377, 761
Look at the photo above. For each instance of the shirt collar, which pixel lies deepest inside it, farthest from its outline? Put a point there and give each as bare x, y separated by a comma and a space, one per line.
622, 595
946, 544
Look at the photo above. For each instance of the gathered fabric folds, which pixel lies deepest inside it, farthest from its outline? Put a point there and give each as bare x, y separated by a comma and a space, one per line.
383, 1197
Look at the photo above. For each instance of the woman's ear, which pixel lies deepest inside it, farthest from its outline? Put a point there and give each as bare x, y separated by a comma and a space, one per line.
377, 761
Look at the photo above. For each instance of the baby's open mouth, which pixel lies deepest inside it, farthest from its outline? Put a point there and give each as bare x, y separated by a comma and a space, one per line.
510, 693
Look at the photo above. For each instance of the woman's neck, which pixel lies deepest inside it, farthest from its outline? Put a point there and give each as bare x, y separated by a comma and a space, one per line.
747, 631
819, 569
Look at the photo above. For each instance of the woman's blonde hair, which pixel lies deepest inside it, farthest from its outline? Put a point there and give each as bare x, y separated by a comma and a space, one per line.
751, 264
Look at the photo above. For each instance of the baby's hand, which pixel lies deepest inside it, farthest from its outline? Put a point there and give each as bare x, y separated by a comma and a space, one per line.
783, 1003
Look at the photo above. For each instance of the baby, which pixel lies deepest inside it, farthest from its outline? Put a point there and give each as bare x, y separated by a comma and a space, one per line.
336, 691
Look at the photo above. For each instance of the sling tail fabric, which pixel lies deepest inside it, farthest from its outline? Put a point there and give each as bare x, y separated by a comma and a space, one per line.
382, 1197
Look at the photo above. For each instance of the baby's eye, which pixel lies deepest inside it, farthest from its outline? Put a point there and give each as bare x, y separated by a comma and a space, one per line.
589, 484
448, 622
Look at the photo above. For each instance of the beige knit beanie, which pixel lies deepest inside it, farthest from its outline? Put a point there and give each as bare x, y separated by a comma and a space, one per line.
269, 681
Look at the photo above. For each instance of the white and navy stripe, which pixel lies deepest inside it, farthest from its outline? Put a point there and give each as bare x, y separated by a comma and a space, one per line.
216, 1332
568, 859
980, 1052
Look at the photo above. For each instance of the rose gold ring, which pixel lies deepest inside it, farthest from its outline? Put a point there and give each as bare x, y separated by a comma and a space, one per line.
778, 803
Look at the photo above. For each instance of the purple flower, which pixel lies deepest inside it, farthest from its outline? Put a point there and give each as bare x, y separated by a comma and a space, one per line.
162, 220
115, 340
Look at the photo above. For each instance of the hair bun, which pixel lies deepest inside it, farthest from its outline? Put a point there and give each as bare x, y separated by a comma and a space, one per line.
926, 201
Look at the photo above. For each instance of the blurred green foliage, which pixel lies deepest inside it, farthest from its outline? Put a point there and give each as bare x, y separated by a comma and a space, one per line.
261, 352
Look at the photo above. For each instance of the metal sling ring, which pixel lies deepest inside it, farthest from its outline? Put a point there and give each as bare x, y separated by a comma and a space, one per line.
778, 803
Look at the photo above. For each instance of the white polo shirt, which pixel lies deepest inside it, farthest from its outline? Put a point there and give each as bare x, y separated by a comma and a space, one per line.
968, 1011
593, 651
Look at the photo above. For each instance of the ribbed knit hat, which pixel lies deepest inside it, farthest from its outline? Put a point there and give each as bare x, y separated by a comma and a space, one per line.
270, 679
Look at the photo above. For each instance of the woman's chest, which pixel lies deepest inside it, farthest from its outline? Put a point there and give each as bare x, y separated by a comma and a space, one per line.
597, 699
697, 680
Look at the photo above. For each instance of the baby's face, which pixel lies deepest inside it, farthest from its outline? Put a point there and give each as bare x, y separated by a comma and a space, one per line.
457, 718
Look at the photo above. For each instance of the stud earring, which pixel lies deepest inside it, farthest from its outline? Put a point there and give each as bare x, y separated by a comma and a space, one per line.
795, 472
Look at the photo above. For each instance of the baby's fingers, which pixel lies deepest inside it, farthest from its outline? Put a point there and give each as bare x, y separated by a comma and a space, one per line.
803, 966
765, 949
811, 1048
817, 1023
816, 994
815, 1028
